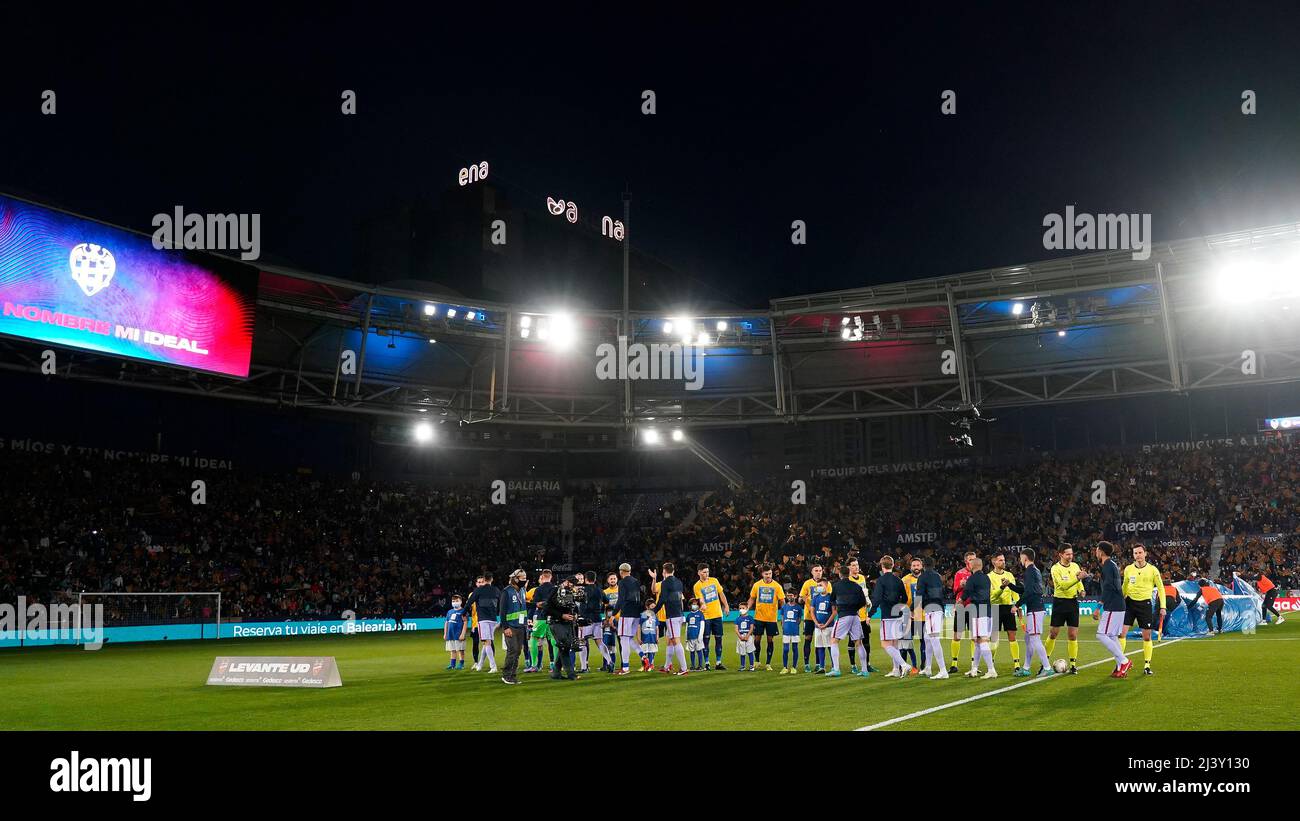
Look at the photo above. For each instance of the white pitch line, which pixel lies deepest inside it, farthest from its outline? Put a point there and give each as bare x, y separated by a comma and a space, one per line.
958, 703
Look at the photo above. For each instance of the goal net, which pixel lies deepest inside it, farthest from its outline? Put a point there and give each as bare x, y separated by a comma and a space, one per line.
157, 616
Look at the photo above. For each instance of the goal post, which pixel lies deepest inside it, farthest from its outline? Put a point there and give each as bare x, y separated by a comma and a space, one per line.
170, 615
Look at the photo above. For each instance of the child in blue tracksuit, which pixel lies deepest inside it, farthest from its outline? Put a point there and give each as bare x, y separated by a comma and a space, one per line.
649, 636
745, 639
609, 635
791, 615
695, 636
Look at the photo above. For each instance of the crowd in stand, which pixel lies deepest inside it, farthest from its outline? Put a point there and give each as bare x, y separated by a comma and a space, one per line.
295, 546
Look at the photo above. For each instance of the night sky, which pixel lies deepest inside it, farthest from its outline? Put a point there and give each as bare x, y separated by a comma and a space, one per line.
830, 119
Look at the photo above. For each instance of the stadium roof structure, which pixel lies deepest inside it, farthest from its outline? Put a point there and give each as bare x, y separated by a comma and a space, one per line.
1199, 313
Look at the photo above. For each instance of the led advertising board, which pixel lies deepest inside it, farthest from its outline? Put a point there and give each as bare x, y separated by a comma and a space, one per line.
74, 282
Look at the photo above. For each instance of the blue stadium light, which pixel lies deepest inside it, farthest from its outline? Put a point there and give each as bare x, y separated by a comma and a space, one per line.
430, 310
1018, 309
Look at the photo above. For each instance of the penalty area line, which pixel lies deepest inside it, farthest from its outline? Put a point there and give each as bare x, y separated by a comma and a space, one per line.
1035, 680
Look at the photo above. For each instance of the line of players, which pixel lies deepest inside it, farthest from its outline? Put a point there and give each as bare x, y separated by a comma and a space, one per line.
827, 611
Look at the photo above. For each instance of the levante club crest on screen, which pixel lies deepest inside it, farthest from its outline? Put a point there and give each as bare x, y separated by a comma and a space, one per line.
92, 267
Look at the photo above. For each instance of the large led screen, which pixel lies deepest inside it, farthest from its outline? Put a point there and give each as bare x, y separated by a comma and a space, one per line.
74, 282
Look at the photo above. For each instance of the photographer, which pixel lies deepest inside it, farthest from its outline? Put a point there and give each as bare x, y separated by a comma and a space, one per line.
561, 613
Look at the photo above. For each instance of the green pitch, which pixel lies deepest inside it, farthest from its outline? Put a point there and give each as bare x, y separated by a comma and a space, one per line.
397, 681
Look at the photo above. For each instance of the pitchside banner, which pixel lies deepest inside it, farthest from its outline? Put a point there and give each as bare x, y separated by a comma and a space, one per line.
275, 671
70, 281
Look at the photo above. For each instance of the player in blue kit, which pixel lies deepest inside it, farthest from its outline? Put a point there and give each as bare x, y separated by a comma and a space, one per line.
791, 614
695, 636
745, 639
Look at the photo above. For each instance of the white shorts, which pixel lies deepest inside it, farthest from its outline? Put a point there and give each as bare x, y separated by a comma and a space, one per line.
1034, 623
673, 627
934, 622
1111, 623
453, 646
695, 645
486, 630
647, 649
823, 637
629, 627
849, 627
590, 631
893, 629
982, 627
789, 639
744, 646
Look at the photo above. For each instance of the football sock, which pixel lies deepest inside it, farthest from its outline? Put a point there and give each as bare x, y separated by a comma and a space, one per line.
1041, 651
821, 657
490, 652
1113, 646
986, 652
681, 656
897, 657
1147, 649
719, 650
1123, 641
956, 650
807, 650
625, 643
1051, 646
935, 654
1015, 651
1073, 647
835, 656
853, 656
771, 646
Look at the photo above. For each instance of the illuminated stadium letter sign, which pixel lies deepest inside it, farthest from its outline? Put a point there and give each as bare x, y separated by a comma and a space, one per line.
610, 227
558, 207
474, 173
74, 282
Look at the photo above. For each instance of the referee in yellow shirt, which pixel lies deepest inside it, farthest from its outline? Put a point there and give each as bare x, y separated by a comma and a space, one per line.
1141, 584
1067, 584
1004, 599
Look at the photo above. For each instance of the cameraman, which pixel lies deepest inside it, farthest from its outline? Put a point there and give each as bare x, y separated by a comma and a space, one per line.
561, 612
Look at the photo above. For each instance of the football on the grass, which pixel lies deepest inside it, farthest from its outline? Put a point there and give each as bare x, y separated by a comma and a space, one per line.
1060, 665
